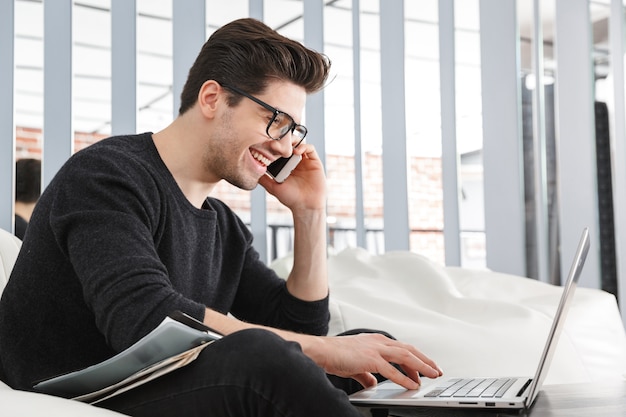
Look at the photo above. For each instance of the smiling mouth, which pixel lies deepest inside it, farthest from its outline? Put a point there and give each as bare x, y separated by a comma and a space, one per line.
265, 161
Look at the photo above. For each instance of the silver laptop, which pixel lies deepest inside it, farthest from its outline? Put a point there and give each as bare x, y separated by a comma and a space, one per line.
484, 392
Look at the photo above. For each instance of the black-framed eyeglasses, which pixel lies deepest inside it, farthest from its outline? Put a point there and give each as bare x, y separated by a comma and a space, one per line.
280, 124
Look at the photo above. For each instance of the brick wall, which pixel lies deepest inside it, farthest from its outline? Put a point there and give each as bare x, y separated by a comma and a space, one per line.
425, 192
29, 142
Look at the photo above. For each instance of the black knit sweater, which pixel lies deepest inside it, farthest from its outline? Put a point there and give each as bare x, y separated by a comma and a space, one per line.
113, 247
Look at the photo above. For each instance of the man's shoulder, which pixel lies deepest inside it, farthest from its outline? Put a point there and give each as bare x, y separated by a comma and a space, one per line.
117, 159
112, 151
121, 143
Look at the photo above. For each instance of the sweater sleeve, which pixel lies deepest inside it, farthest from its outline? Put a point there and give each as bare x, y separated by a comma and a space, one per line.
262, 297
104, 218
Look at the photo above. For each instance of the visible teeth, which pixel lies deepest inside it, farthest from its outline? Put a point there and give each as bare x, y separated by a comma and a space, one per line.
260, 158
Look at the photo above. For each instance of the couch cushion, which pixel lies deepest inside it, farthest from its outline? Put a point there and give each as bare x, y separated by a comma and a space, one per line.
473, 322
9, 248
29, 404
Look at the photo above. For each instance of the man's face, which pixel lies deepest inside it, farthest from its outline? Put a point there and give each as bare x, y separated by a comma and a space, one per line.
240, 149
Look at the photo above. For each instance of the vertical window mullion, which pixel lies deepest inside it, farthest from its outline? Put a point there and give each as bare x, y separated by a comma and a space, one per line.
58, 132
358, 146
395, 171
189, 33
502, 143
7, 113
450, 156
576, 167
123, 66
258, 201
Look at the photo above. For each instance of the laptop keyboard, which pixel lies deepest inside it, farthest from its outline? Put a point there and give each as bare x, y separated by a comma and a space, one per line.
472, 388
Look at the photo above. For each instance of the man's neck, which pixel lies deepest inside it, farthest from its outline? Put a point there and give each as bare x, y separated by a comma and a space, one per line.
174, 146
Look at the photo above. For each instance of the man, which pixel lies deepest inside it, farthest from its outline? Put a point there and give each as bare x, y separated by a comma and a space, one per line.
125, 234
27, 191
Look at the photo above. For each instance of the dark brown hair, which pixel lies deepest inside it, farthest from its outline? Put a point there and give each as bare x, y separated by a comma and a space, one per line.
246, 53
27, 180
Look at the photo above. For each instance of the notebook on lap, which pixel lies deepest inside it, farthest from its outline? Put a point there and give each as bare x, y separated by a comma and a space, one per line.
483, 392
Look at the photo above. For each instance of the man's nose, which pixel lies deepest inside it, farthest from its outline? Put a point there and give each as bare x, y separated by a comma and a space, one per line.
286, 144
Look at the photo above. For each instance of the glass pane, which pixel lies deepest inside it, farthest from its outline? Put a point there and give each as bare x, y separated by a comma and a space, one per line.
538, 130
91, 55
423, 127
371, 126
154, 65
28, 79
339, 126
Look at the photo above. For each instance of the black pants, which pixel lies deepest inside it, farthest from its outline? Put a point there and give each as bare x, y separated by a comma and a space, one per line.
249, 373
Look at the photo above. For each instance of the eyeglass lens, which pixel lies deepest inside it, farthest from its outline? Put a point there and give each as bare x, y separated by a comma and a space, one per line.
281, 124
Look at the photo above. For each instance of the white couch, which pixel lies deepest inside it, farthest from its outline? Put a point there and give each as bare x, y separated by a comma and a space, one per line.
474, 322
469, 321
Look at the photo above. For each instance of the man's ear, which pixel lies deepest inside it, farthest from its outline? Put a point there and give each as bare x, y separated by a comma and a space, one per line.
208, 97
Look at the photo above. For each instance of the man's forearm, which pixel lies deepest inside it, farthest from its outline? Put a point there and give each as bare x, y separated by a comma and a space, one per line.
308, 279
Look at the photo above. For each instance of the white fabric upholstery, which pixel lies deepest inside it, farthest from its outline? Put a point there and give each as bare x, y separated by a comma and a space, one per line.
9, 248
474, 322
27, 404
469, 321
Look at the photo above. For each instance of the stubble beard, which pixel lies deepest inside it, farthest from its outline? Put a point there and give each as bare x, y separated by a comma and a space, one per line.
226, 164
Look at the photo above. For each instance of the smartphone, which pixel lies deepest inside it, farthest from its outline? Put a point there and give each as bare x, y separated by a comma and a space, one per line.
280, 169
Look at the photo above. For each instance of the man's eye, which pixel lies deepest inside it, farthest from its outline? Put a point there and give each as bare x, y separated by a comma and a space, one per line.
279, 120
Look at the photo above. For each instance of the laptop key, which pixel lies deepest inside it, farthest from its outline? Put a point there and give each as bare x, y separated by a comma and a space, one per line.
454, 388
505, 388
442, 387
495, 387
475, 392
468, 387
434, 393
